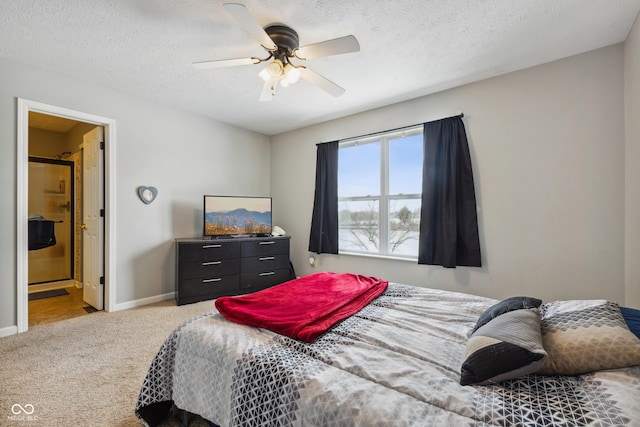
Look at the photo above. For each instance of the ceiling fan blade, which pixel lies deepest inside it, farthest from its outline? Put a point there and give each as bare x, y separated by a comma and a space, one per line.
250, 25
268, 90
223, 63
323, 83
337, 46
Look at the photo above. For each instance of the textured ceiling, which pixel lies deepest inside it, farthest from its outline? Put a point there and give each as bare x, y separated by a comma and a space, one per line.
411, 48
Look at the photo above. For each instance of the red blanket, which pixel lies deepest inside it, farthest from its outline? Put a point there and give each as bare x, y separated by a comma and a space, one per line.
303, 308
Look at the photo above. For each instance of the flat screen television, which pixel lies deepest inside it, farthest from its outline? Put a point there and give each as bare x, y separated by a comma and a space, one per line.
233, 216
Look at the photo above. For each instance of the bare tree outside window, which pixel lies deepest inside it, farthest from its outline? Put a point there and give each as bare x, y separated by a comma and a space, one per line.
405, 226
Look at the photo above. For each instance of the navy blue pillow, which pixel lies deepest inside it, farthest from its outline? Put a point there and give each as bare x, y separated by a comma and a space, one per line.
632, 317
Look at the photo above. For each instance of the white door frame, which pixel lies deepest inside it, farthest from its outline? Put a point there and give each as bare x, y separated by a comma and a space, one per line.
22, 208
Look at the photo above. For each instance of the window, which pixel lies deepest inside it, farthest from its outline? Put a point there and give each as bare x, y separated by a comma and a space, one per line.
379, 192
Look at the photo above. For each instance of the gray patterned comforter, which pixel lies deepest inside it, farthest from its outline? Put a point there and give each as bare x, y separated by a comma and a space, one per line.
395, 363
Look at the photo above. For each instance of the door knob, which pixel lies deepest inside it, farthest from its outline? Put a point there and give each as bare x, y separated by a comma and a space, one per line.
83, 226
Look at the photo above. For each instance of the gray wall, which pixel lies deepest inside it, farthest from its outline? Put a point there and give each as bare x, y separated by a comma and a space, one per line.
547, 146
183, 155
632, 162
555, 163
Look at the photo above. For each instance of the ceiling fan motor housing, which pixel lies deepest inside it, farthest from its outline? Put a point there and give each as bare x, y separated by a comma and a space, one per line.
284, 37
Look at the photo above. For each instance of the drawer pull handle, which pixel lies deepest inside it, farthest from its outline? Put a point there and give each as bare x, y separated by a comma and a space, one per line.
267, 258
204, 264
269, 273
267, 243
211, 246
217, 279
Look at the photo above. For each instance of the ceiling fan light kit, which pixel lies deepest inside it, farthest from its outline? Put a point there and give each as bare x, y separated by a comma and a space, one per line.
282, 44
272, 71
292, 73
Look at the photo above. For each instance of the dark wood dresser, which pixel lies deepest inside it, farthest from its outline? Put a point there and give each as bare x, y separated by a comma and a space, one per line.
210, 268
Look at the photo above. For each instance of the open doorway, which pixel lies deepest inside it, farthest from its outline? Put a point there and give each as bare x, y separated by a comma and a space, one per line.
35, 118
55, 208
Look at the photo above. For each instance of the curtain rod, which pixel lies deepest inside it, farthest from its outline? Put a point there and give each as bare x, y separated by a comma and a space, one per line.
461, 115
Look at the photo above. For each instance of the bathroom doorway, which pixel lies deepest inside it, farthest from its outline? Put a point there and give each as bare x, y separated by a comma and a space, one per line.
55, 260
57, 135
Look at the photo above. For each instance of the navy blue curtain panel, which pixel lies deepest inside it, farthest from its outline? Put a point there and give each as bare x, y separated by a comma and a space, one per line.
324, 222
448, 217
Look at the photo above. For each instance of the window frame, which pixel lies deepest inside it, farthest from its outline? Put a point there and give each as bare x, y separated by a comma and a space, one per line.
384, 198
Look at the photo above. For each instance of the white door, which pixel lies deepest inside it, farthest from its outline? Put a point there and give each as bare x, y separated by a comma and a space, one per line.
92, 221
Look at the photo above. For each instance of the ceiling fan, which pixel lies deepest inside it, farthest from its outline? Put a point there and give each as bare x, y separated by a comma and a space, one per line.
282, 44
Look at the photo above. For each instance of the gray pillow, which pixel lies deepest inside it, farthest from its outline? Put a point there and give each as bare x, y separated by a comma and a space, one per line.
586, 336
508, 346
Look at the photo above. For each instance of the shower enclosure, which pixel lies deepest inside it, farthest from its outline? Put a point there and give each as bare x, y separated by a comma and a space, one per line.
51, 192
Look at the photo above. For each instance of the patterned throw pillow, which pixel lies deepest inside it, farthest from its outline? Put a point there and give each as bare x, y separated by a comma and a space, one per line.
586, 336
505, 306
508, 346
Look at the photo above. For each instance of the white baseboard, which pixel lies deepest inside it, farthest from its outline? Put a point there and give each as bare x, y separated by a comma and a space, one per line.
144, 301
12, 330
9, 330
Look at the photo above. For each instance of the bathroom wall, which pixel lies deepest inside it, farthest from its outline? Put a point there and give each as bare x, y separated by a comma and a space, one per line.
45, 143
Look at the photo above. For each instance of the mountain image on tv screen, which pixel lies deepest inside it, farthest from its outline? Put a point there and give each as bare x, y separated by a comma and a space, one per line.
250, 216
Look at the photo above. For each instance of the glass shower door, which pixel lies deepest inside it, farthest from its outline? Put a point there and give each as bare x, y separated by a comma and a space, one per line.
51, 198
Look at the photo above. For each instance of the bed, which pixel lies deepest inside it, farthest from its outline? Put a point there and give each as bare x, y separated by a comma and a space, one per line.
400, 361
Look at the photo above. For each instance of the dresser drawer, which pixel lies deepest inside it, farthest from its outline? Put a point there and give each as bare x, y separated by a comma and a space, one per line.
208, 269
265, 247
259, 264
213, 268
213, 285
257, 281
209, 251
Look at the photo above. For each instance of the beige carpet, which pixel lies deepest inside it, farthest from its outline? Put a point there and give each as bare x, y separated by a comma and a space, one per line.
85, 371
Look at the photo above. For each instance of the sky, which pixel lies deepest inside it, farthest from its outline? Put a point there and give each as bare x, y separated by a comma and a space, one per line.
359, 168
229, 203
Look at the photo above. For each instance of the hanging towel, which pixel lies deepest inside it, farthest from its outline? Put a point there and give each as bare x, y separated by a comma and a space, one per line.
41, 234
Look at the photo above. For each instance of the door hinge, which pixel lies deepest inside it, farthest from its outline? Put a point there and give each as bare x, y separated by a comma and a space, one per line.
102, 280
102, 145
102, 213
